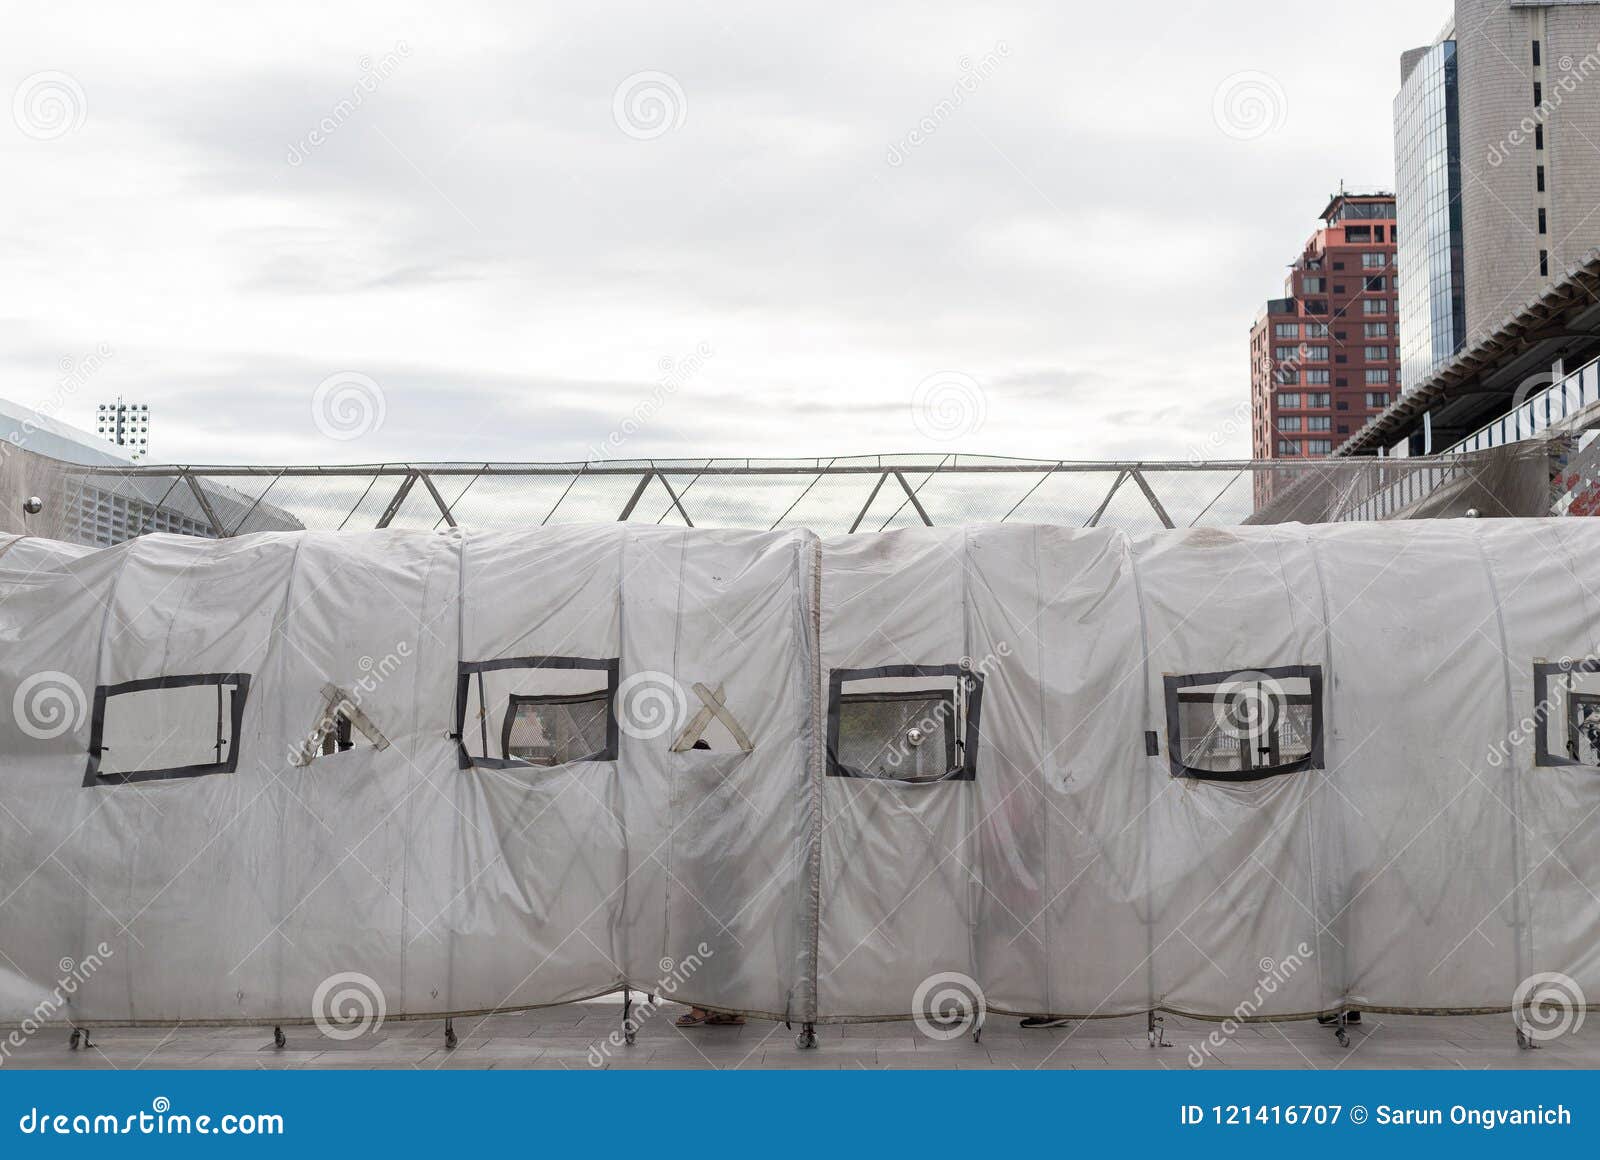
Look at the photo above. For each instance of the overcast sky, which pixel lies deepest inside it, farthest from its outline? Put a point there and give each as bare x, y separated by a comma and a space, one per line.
349, 233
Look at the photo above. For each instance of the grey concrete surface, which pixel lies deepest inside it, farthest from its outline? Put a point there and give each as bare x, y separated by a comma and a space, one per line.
579, 1037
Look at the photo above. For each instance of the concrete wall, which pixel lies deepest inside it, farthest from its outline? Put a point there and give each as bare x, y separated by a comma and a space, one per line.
1499, 158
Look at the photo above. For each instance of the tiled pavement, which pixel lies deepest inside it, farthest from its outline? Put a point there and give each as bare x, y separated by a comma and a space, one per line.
577, 1037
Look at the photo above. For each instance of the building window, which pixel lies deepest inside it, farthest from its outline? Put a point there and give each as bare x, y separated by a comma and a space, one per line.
1358, 233
1315, 377
1286, 353
1374, 306
1245, 725
1311, 285
1538, 94
1374, 261
1288, 422
1319, 423
1376, 375
1288, 447
1316, 330
1316, 354
908, 723
1286, 330
1543, 229
1544, 263
1338, 288
1377, 354
1375, 329
1376, 282
166, 727
1539, 178
1377, 399
1536, 52
1318, 446
1538, 136
1286, 376
1318, 399
1290, 399
1341, 405
1316, 306
535, 711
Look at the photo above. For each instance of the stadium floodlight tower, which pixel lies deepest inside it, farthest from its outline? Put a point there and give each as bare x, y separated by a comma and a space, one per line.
126, 425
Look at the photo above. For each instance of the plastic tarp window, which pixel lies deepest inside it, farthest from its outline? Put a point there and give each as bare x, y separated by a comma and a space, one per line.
166, 727
1567, 712
555, 729
907, 723
1245, 725
538, 711
335, 736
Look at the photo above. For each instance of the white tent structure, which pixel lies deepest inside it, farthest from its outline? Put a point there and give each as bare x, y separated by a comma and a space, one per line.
1260, 772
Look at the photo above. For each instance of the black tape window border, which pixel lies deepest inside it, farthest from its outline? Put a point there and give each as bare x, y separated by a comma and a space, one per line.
1175, 685
467, 670
961, 768
237, 683
1543, 715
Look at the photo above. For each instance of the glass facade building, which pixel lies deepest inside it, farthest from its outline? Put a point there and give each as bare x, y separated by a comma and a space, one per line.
1427, 158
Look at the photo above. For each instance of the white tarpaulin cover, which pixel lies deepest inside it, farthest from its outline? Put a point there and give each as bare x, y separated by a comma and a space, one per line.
1268, 771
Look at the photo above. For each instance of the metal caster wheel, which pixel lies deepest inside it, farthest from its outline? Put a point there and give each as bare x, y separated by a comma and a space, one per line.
450, 1040
807, 1039
76, 1036
1343, 1037
279, 1039
1156, 1030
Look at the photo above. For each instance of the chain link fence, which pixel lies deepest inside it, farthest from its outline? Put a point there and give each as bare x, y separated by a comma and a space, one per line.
106, 505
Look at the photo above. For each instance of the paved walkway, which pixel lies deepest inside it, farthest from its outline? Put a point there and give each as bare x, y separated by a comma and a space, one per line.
578, 1037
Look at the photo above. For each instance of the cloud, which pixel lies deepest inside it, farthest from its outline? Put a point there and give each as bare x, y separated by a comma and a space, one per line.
478, 235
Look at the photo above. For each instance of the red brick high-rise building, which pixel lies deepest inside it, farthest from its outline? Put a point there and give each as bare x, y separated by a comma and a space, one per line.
1325, 358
